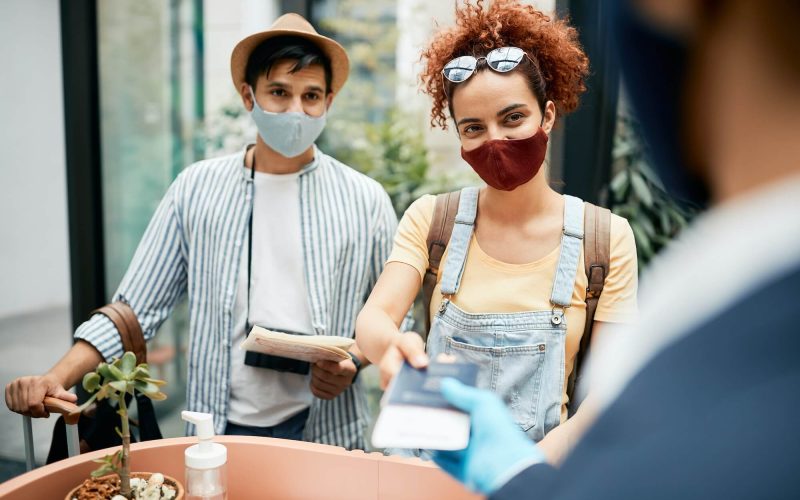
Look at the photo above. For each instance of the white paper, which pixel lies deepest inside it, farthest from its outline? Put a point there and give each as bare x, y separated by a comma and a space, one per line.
311, 348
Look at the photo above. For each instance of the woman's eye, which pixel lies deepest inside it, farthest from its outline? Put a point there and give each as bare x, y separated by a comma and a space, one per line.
471, 129
515, 117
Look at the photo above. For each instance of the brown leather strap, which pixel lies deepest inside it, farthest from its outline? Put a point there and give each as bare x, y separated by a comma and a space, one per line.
130, 331
444, 217
596, 255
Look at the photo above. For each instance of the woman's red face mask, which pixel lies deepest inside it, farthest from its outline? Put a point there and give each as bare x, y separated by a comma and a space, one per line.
506, 164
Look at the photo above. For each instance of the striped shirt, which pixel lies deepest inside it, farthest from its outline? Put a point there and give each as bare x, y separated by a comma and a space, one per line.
193, 244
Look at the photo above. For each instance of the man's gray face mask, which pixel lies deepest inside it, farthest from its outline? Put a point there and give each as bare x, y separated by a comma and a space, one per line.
290, 134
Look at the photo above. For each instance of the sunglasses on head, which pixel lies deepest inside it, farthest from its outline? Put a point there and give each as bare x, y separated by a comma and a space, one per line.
501, 59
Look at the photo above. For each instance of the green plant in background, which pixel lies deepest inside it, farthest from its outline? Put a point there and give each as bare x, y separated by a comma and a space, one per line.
367, 130
638, 194
114, 381
228, 130
368, 31
393, 153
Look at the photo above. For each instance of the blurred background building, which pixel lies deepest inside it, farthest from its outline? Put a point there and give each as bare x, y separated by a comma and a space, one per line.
103, 103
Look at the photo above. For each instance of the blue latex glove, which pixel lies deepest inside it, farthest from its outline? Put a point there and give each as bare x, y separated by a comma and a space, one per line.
497, 450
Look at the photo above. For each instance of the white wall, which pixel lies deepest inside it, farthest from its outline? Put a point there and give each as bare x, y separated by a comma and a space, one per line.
34, 252
226, 23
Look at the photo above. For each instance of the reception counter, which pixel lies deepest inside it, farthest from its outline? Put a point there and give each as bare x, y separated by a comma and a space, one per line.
263, 468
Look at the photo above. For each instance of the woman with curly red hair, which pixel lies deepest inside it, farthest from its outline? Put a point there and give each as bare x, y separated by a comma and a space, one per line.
510, 293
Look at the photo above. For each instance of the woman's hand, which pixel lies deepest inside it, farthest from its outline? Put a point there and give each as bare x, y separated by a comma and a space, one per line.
406, 347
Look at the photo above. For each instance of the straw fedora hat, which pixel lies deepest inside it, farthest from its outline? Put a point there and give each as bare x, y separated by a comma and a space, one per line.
295, 25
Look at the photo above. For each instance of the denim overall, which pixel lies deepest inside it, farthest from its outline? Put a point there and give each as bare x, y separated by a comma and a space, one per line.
521, 355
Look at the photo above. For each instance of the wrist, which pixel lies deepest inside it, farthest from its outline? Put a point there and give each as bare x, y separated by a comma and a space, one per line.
53, 379
357, 362
525, 457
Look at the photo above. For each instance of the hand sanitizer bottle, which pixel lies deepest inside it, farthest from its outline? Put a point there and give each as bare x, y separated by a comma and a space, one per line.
206, 477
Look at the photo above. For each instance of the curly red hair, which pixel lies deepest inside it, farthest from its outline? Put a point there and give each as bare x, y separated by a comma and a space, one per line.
553, 43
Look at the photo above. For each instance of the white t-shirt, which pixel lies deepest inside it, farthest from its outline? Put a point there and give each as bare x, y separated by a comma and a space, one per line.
262, 397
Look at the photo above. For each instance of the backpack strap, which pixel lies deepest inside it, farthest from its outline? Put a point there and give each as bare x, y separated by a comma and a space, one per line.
596, 254
130, 331
444, 217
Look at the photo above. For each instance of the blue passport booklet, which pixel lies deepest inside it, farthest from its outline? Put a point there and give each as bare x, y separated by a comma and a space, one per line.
414, 413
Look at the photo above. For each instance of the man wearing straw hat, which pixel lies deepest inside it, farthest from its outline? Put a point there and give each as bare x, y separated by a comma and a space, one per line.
279, 235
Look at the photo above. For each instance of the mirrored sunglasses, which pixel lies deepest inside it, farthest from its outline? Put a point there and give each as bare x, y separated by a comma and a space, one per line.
502, 60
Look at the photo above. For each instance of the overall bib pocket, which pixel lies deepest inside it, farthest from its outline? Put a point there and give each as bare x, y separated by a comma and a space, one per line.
513, 372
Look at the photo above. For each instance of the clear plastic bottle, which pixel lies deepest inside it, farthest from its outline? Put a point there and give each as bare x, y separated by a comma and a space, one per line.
206, 475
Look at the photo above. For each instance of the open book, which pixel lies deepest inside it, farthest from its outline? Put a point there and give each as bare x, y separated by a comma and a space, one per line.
311, 348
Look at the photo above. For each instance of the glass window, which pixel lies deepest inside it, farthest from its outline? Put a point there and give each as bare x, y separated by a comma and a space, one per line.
151, 104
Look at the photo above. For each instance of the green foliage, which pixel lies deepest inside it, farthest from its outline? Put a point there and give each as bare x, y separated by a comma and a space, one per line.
109, 464
113, 381
367, 129
638, 194
393, 153
368, 31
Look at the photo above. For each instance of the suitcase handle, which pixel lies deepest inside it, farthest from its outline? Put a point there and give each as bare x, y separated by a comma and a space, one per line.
68, 410
71, 415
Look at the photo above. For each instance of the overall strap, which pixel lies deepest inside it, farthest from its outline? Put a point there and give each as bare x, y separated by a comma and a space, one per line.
571, 242
444, 217
459, 241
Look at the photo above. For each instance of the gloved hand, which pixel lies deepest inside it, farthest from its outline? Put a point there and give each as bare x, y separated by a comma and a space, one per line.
497, 448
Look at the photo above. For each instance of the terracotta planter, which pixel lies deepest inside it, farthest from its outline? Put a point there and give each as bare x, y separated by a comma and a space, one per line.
168, 480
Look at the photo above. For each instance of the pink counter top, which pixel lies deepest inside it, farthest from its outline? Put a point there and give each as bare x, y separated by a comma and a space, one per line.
263, 468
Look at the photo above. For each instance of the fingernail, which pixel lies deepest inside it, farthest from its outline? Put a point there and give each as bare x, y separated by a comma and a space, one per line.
419, 360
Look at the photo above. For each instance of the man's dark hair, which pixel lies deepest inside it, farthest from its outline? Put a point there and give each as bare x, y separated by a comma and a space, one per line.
272, 50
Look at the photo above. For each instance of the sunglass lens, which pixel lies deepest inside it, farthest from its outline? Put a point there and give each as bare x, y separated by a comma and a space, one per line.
505, 58
460, 68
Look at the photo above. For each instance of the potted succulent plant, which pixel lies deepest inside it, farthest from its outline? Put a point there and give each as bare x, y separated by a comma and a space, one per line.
113, 478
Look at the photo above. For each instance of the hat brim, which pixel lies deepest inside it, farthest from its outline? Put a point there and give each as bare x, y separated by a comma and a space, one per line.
340, 63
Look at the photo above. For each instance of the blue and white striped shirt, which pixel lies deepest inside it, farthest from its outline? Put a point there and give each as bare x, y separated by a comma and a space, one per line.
193, 245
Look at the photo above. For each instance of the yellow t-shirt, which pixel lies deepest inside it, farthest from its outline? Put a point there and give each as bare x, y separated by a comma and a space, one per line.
491, 286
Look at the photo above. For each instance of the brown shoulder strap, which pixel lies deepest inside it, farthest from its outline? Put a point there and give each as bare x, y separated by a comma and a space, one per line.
444, 217
596, 254
130, 331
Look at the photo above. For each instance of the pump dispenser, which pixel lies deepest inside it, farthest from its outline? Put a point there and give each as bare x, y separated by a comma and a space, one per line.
206, 477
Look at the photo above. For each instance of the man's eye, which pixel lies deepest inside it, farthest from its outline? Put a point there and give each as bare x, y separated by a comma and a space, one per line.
278, 92
312, 97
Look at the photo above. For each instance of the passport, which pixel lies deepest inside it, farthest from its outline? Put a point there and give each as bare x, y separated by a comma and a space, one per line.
414, 413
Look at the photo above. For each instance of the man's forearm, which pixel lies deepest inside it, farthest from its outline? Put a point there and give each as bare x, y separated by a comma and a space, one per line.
79, 360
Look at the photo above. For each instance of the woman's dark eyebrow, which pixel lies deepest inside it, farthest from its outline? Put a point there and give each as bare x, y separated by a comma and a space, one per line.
499, 113
467, 120
509, 108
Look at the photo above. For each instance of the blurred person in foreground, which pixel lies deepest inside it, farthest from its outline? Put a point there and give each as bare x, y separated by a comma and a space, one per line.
511, 293
280, 235
699, 399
